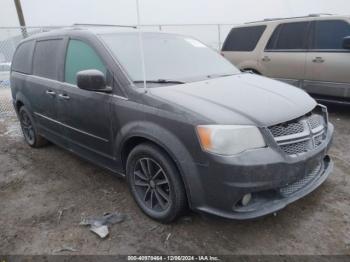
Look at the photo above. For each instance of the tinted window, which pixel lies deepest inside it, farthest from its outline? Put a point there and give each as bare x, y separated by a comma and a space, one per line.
289, 36
273, 39
243, 39
46, 58
22, 59
330, 34
81, 56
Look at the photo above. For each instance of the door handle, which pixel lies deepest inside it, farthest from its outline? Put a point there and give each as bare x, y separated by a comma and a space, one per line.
50, 93
318, 60
266, 59
64, 96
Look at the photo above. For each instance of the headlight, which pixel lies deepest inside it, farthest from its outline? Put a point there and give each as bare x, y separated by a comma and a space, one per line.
229, 140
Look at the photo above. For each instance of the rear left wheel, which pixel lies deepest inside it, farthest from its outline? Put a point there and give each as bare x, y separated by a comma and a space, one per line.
29, 129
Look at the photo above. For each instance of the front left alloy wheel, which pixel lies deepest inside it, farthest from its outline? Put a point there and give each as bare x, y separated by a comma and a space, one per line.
155, 183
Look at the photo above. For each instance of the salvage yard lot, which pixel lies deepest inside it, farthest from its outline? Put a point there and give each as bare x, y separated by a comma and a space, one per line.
44, 194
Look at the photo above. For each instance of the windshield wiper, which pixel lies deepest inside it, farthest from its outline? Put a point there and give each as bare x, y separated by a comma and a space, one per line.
161, 81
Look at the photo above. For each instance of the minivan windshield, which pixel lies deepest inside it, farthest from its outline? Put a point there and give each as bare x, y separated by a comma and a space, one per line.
168, 58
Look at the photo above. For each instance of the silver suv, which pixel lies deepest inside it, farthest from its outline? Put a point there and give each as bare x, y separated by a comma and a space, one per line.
309, 52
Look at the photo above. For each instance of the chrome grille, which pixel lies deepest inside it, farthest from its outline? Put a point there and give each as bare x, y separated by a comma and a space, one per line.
318, 140
290, 129
296, 148
301, 135
315, 121
296, 186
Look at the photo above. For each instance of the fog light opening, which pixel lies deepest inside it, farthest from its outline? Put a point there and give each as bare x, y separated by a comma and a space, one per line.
246, 199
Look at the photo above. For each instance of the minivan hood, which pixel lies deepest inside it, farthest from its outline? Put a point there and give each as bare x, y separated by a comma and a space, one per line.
243, 99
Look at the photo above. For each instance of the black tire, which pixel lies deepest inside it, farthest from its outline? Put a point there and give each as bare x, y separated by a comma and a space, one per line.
29, 129
253, 71
147, 163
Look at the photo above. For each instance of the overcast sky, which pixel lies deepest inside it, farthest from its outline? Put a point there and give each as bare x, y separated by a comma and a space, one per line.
65, 12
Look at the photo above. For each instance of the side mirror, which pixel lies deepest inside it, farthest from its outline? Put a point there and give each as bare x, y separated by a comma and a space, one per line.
92, 80
346, 42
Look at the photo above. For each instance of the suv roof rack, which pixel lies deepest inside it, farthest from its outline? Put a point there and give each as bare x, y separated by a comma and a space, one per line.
287, 18
319, 14
103, 25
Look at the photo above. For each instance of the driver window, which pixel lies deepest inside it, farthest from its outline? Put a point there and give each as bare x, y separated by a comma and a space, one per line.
81, 56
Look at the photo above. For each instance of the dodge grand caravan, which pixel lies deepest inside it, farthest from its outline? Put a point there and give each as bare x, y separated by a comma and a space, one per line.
201, 134
310, 52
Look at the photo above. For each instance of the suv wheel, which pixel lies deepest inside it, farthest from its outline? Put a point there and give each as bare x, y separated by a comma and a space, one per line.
252, 71
155, 183
29, 129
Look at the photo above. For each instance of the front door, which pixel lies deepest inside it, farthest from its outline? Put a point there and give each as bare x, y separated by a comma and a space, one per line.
327, 67
284, 57
87, 117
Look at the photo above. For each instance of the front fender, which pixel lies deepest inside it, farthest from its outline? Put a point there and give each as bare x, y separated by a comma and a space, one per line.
169, 142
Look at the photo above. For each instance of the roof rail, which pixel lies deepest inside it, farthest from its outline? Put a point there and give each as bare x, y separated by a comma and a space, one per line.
105, 25
319, 14
288, 18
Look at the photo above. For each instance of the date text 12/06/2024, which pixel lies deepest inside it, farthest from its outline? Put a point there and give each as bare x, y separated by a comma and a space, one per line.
173, 258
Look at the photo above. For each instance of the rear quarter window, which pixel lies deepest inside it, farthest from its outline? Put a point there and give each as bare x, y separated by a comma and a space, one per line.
243, 38
47, 57
22, 59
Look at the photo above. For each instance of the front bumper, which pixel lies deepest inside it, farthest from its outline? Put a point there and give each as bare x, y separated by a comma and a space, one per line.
264, 173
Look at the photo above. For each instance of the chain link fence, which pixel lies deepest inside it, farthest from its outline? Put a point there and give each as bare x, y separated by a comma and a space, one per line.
6, 107
9, 39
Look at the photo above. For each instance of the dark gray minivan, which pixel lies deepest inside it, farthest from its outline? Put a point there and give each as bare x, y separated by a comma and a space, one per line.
199, 134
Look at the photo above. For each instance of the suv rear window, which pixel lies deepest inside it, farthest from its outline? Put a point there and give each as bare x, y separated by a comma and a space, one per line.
243, 38
330, 34
289, 36
46, 59
22, 59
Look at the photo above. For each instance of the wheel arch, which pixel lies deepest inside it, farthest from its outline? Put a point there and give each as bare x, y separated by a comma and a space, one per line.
146, 132
21, 101
18, 105
255, 71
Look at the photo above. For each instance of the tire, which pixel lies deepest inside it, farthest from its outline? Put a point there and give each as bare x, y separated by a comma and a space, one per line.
29, 129
155, 183
253, 71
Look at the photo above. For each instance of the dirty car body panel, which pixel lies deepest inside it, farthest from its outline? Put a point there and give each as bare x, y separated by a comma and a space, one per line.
102, 127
